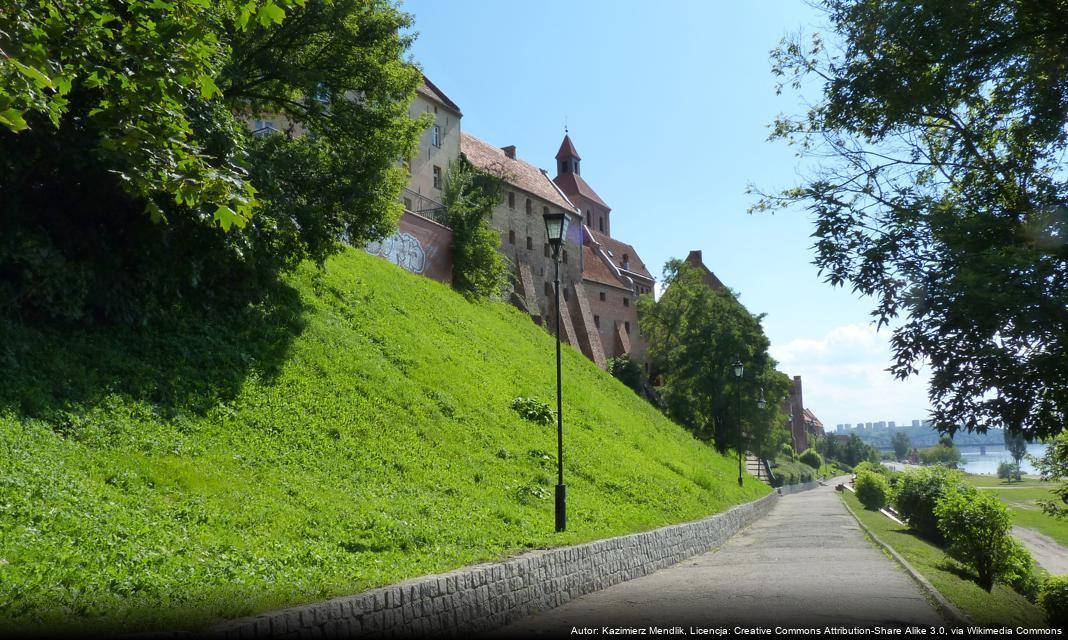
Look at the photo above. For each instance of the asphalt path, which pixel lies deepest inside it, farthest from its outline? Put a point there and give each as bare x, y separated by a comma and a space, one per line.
806, 564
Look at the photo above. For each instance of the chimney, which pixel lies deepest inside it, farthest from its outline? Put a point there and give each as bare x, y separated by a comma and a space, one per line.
509, 151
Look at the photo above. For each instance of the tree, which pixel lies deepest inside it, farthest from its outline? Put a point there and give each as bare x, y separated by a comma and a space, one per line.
1016, 445
901, 443
695, 334
976, 526
944, 193
478, 268
135, 186
1053, 465
627, 371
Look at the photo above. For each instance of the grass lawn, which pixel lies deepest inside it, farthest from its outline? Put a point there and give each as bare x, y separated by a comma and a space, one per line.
1001, 607
354, 431
1022, 499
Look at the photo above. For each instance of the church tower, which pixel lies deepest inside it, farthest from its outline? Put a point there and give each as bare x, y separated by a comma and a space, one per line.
595, 212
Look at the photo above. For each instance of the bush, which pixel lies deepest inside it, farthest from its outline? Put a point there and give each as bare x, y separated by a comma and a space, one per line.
976, 526
788, 450
940, 454
1009, 471
1053, 598
534, 410
1020, 573
918, 491
627, 371
872, 490
788, 472
811, 458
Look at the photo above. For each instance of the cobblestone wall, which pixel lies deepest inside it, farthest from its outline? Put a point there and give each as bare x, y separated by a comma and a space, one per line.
486, 596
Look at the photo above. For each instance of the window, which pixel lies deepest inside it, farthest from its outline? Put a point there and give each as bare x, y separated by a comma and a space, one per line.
511, 236
600, 224
565, 256
548, 289
435, 136
626, 262
530, 207
511, 200
597, 321
565, 293
602, 296
548, 253
545, 210
407, 204
437, 177
626, 325
626, 302
530, 243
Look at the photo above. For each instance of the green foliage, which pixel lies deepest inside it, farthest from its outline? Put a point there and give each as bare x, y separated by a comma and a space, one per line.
940, 455
872, 490
1053, 598
901, 443
478, 268
1020, 572
917, 493
1016, 445
788, 450
851, 452
156, 119
940, 192
976, 526
1053, 465
811, 458
352, 431
695, 334
787, 471
627, 371
534, 410
1009, 471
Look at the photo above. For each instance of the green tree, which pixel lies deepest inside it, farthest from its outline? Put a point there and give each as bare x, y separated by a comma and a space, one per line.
478, 268
148, 113
901, 443
940, 191
976, 526
1053, 465
695, 334
1016, 445
628, 371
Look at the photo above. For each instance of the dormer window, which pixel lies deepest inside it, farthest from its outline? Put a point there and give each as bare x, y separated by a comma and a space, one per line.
626, 262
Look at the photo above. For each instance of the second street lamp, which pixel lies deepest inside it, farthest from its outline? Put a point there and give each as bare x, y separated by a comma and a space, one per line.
739, 368
555, 232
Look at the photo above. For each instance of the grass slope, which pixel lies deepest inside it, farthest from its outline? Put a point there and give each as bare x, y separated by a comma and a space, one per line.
1002, 607
354, 432
1022, 500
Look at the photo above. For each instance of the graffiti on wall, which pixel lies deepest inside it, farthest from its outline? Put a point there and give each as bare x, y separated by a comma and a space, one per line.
402, 249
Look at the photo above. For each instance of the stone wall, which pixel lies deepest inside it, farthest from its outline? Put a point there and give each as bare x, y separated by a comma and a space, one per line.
490, 595
801, 486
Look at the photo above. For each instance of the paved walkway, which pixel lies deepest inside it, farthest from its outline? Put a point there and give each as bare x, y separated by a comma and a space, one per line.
807, 563
1047, 552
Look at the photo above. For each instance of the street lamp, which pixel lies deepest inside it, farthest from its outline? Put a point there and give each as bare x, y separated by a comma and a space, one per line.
739, 369
761, 403
555, 232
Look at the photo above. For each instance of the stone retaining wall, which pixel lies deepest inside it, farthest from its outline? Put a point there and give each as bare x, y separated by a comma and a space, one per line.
490, 595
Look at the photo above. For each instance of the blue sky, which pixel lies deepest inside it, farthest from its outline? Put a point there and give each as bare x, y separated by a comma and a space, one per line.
669, 105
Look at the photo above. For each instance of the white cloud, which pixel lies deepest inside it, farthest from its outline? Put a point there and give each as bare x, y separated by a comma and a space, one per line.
845, 379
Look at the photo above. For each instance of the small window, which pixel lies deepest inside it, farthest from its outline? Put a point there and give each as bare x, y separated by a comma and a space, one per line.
626, 326
407, 204
530, 207
548, 289
435, 136
437, 177
511, 236
602, 296
600, 224
565, 256
548, 252
626, 302
597, 321
626, 262
530, 243
511, 200
565, 293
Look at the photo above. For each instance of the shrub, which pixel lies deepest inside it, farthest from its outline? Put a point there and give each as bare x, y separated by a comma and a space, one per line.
1008, 471
918, 491
872, 490
627, 371
788, 450
788, 472
1020, 572
976, 526
1053, 598
940, 454
811, 458
534, 410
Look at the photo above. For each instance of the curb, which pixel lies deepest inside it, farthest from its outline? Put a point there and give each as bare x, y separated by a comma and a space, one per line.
946, 608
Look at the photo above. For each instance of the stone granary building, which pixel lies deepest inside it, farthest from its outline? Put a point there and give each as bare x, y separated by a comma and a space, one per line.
601, 277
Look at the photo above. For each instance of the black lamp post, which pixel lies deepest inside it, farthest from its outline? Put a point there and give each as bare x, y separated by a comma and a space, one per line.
555, 232
739, 369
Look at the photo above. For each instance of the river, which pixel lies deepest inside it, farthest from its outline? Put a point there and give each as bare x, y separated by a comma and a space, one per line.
972, 462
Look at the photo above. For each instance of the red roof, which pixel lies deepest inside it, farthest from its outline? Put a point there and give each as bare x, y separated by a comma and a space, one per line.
516, 172
567, 149
572, 183
431, 90
595, 270
709, 278
617, 249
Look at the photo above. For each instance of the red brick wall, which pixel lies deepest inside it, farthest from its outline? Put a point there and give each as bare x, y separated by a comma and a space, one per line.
419, 245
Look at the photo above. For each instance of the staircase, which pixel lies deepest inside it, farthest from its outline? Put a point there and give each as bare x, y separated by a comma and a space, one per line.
758, 467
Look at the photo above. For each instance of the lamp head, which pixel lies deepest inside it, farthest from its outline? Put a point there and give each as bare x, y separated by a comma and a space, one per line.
555, 229
739, 368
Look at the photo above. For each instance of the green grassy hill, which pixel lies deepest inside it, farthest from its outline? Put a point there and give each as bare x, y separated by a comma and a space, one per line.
355, 431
